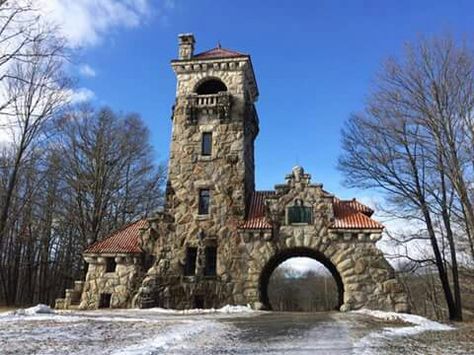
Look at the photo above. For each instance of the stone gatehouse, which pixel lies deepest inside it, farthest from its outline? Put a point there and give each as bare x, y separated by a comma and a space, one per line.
218, 239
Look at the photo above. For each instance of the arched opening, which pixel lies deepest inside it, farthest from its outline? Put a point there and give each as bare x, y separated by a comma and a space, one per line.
211, 86
327, 293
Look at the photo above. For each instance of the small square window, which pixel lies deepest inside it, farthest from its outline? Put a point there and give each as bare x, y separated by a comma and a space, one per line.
204, 200
110, 265
206, 144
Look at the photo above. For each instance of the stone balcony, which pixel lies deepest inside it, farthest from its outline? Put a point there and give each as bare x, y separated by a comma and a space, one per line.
212, 104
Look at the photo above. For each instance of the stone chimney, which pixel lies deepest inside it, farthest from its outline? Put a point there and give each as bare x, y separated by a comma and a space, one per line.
186, 46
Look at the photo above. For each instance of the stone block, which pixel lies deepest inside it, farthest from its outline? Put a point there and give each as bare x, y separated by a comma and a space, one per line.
345, 264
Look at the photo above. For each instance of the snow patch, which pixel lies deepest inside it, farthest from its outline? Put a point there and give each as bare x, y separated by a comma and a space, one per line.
415, 325
420, 323
228, 309
175, 338
38, 309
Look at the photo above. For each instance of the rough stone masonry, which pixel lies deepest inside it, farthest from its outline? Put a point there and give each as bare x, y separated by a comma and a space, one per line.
218, 240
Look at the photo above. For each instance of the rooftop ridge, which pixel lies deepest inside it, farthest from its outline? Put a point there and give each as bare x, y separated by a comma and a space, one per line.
219, 52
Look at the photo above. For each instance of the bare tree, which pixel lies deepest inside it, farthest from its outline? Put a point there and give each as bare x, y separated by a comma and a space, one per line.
109, 167
34, 89
37, 90
67, 176
21, 28
411, 142
311, 291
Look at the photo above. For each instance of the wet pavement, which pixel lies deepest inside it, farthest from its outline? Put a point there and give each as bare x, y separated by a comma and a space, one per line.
292, 333
158, 332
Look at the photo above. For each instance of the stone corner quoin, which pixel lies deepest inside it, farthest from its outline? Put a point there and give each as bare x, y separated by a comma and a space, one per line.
217, 240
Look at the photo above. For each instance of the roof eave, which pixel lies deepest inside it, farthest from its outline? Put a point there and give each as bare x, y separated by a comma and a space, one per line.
365, 229
195, 59
109, 253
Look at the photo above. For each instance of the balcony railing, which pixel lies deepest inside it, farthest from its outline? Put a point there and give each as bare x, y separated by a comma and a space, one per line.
211, 100
218, 104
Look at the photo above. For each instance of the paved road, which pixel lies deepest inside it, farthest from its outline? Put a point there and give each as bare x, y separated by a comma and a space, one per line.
134, 332
293, 333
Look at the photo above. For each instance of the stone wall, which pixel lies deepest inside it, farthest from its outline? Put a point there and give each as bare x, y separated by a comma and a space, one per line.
121, 284
244, 258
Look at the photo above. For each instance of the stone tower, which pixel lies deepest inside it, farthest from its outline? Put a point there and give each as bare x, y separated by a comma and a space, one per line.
212, 144
210, 178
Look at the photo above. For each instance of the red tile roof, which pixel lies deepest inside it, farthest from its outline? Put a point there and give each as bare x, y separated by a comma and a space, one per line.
219, 52
256, 218
353, 215
123, 240
359, 207
350, 214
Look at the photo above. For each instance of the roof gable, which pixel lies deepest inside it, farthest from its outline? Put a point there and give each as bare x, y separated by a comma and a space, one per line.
219, 52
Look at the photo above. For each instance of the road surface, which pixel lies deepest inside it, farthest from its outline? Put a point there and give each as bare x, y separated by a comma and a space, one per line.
247, 332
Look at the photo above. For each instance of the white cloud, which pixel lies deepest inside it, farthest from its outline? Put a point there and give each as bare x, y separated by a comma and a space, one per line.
87, 22
81, 95
87, 71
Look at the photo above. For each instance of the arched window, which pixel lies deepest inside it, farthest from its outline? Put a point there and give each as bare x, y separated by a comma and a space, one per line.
211, 86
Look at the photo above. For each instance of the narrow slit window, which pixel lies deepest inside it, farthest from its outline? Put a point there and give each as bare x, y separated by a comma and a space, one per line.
190, 266
211, 261
206, 144
204, 200
110, 265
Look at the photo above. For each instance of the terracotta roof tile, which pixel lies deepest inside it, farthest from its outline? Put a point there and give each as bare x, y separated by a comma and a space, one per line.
219, 52
360, 207
123, 240
350, 215
256, 218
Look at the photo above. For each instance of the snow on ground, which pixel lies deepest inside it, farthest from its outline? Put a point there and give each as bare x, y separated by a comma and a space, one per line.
231, 329
42, 330
180, 337
38, 309
416, 325
420, 324
228, 309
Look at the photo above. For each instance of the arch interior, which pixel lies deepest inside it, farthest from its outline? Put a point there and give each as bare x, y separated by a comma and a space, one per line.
281, 257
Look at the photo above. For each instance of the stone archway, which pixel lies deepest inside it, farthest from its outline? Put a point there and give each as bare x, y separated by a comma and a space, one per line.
286, 254
338, 233
365, 279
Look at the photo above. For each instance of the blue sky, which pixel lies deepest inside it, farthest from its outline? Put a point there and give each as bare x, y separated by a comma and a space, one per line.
314, 61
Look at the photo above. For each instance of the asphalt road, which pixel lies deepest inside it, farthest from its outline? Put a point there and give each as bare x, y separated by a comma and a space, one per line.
133, 332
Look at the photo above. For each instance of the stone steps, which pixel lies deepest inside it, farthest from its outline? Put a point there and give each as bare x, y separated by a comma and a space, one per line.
72, 297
